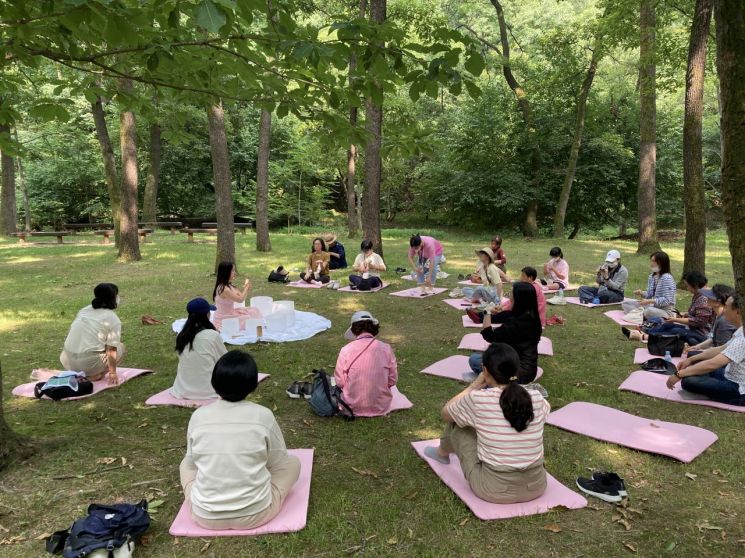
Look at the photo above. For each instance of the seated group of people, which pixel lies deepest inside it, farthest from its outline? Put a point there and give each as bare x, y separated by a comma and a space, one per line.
327, 254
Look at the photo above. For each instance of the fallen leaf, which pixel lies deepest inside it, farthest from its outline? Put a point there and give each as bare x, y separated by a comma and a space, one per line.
205, 547
706, 526
411, 496
124, 460
143, 425
4, 529
463, 522
626, 524
105, 460
392, 540
553, 528
671, 547
365, 472
630, 546
411, 533
691, 476
153, 505
42, 536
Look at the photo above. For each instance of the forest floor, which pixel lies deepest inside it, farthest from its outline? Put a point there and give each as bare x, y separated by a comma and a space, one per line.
397, 506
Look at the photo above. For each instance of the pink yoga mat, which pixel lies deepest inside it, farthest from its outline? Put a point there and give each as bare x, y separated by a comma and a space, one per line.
124, 374
468, 322
349, 289
165, 398
292, 517
454, 366
641, 355
617, 316
556, 494
469, 283
679, 441
417, 293
399, 402
304, 285
569, 288
474, 342
654, 385
575, 300
458, 303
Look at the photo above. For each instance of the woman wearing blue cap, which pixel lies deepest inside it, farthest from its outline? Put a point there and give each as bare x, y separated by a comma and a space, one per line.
199, 347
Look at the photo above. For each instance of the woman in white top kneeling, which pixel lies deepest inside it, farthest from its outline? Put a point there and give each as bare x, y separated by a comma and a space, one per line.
236, 473
93, 345
199, 346
495, 427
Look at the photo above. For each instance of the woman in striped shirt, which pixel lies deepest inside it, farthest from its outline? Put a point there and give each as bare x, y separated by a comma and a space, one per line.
659, 299
495, 427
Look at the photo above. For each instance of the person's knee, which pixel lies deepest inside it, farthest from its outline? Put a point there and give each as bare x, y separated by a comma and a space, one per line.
475, 362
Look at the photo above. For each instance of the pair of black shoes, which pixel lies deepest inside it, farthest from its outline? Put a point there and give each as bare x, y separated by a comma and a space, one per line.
609, 487
297, 390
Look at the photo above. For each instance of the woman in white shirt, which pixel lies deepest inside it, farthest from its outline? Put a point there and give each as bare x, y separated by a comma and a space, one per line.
93, 345
368, 266
199, 346
236, 473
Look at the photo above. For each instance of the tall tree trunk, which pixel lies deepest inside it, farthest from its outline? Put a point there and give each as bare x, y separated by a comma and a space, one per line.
222, 182
646, 195
373, 161
530, 224
694, 255
150, 199
730, 25
24, 190
129, 243
109, 166
579, 126
351, 180
8, 215
263, 242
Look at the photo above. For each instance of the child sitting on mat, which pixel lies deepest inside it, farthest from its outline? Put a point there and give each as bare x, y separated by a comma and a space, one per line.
556, 271
225, 295
199, 346
236, 473
495, 427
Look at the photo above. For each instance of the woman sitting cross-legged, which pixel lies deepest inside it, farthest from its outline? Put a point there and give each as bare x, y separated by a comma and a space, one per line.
93, 345
236, 473
487, 275
658, 300
495, 427
719, 372
199, 346
317, 268
520, 328
226, 295
367, 266
366, 368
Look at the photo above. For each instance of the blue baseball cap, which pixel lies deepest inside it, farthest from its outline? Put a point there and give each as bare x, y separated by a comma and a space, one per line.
198, 306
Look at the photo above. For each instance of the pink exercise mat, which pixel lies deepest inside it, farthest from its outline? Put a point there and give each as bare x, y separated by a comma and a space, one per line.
575, 300
469, 283
679, 441
468, 322
292, 517
304, 285
556, 495
654, 385
349, 289
399, 402
475, 342
569, 288
458, 303
453, 367
617, 316
124, 375
417, 293
641, 355
165, 398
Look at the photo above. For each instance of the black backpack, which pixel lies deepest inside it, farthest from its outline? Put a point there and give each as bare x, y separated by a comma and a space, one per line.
658, 345
326, 400
106, 526
62, 387
277, 277
659, 366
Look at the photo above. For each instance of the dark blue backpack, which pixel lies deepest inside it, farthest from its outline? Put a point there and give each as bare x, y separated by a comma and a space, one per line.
107, 527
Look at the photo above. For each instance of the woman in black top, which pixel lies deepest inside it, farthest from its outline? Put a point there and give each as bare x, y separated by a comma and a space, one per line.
521, 329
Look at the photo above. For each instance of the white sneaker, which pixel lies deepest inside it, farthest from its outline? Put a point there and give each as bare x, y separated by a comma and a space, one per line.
557, 300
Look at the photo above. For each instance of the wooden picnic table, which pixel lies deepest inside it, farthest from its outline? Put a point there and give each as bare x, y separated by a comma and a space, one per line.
22, 236
192, 232
75, 227
173, 226
106, 233
240, 226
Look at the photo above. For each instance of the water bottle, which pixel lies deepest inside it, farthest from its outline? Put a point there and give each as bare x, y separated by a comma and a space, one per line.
596, 300
561, 293
668, 358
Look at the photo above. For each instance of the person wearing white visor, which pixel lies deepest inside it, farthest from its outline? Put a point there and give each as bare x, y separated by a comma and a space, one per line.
611, 279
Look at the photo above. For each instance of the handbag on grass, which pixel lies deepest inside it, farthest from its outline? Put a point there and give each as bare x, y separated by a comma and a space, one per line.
658, 345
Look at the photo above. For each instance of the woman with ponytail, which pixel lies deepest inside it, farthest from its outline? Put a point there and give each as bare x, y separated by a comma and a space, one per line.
495, 427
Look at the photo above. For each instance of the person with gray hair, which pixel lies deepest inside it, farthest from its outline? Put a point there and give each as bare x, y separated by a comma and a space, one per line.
611, 279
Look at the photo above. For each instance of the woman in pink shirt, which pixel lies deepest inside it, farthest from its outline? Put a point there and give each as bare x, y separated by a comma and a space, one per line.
366, 368
556, 271
425, 256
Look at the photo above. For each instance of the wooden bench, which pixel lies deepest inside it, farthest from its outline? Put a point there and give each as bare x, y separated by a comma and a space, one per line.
107, 235
22, 236
192, 232
172, 226
238, 226
75, 227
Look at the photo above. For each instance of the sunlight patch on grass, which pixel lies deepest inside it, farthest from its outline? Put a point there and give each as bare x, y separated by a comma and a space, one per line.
427, 433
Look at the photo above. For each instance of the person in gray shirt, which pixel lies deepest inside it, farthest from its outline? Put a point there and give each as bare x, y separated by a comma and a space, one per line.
611, 279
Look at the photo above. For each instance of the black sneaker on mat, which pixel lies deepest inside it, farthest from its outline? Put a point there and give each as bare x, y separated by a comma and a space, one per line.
600, 488
614, 479
295, 390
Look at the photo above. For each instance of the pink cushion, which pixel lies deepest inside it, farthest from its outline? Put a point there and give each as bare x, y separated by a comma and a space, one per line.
453, 367
556, 495
124, 375
474, 342
292, 517
349, 289
165, 398
417, 293
654, 385
679, 441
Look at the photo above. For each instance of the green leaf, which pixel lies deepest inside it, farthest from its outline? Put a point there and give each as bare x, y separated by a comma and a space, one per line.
456, 88
49, 111
475, 64
210, 16
473, 89
415, 91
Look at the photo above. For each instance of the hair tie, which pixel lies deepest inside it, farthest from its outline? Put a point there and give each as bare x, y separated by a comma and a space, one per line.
513, 378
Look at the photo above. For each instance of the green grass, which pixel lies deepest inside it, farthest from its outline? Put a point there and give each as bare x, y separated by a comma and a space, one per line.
402, 510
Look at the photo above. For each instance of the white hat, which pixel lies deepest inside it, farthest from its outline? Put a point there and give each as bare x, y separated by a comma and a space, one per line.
612, 256
359, 316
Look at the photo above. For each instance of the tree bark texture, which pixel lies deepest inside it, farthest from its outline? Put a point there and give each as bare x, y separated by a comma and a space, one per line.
129, 243
579, 126
150, 199
373, 160
109, 167
222, 183
24, 190
730, 25
8, 212
263, 242
646, 195
530, 224
351, 179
